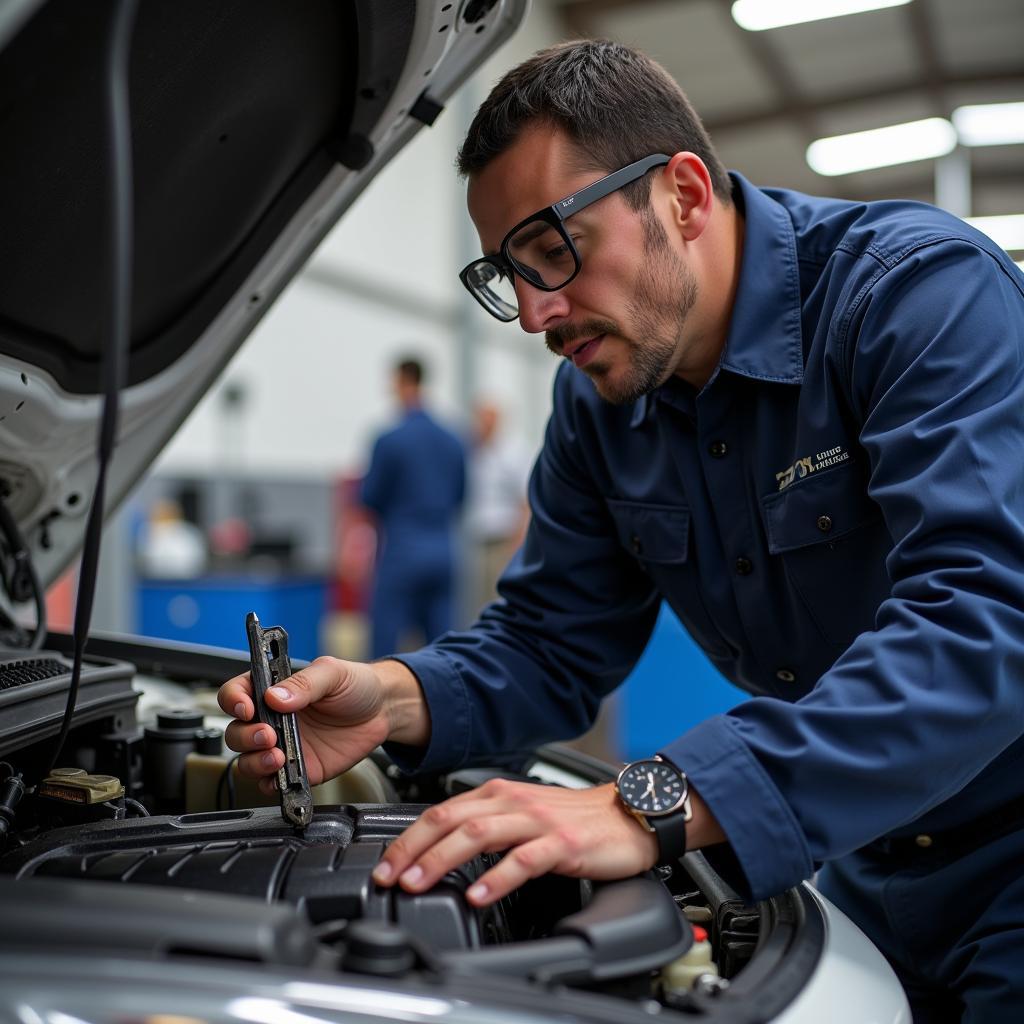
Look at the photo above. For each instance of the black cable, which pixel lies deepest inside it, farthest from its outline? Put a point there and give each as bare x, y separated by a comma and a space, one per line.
23, 580
226, 776
115, 323
133, 803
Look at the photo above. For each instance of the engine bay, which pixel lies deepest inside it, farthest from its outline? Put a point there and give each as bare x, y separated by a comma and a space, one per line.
145, 826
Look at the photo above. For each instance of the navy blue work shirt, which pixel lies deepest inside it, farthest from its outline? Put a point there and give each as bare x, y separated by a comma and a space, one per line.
837, 517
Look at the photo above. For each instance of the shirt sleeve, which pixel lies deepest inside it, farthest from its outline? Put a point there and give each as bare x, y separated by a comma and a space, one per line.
575, 614
918, 706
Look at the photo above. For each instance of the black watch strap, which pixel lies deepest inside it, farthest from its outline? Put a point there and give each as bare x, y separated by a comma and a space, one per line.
670, 832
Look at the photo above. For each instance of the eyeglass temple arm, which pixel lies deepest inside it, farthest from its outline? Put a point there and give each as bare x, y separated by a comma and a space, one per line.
606, 185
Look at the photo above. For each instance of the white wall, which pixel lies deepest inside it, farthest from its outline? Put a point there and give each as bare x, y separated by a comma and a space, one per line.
384, 283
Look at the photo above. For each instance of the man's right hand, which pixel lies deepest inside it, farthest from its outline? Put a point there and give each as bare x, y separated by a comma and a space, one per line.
346, 709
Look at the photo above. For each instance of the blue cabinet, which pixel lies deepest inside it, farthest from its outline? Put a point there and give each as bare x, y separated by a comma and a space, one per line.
212, 609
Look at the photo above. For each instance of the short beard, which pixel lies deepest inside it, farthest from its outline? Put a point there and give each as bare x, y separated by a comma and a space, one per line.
656, 317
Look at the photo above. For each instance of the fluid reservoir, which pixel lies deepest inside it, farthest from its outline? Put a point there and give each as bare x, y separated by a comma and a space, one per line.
679, 976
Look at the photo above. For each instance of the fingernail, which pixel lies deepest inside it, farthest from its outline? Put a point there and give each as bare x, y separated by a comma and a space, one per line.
268, 759
413, 875
382, 872
280, 693
477, 892
260, 737
240, 710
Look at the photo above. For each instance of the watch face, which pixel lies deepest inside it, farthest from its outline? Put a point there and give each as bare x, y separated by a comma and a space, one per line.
652, 787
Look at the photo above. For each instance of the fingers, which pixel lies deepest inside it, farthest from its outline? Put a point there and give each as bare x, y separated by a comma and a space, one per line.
433, 825
478, 833
551, 852
495, 817
235, 697
580, 833
255, 742
246, 736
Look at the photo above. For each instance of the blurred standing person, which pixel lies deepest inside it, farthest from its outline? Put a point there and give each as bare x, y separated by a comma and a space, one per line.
415, 486
496, 510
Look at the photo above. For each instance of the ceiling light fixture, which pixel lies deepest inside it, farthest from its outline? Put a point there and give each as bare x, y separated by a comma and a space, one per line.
1007, 230
758, 15
990, 124
882, 147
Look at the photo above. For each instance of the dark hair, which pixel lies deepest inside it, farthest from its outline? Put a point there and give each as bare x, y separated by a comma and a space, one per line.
616, 104
410, 370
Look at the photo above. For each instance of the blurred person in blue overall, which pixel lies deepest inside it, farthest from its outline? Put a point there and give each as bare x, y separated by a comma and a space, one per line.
800, 422
415, 485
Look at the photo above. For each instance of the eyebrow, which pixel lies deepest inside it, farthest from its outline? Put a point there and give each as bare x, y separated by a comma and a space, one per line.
529, 234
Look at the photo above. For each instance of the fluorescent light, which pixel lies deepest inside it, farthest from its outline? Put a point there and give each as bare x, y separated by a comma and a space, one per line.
990, 124
757, 15
1007, 231
882, 147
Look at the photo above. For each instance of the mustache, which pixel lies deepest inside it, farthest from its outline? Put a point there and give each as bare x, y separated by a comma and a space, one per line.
557, 339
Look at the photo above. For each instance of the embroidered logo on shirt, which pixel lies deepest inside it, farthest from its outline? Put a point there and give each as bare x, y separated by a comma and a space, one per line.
808, 464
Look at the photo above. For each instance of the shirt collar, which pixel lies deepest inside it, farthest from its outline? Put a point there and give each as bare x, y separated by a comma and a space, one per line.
764, 333
764, 340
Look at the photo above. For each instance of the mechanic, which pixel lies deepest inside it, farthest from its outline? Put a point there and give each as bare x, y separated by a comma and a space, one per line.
415, 485
799, 422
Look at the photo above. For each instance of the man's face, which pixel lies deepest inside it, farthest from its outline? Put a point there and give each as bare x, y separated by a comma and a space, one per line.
621, 320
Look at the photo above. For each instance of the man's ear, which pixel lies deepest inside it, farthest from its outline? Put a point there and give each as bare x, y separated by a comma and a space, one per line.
692, 194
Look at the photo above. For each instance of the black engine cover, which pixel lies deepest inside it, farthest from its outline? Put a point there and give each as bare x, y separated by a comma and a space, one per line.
324, 870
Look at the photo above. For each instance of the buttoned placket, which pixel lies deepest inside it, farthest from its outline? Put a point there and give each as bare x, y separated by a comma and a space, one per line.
723, 427
720, 432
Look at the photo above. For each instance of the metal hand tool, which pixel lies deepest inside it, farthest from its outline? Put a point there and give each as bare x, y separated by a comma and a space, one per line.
268, 655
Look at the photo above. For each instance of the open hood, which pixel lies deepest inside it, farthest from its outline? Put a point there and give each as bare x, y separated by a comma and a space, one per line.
255, 124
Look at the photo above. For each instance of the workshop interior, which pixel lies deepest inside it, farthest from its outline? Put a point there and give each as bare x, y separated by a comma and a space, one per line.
222, 224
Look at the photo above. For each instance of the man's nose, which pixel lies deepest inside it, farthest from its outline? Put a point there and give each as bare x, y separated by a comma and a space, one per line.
540, 310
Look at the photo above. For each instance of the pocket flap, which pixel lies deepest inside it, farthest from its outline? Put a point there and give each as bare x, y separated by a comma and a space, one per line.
653, 533
817, 509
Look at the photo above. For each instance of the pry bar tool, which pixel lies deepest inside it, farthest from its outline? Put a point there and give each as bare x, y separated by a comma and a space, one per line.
268, 656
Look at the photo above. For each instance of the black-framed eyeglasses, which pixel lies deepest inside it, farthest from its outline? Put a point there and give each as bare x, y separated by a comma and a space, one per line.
539, 249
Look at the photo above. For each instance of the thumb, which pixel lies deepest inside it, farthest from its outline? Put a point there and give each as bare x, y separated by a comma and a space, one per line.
321, 679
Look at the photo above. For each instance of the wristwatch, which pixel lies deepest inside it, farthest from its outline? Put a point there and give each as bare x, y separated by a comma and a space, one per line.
656, 793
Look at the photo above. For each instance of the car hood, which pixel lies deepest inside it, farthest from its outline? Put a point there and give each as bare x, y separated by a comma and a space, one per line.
255, 124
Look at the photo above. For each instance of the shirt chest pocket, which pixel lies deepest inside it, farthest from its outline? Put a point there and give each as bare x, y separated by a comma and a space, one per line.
658, 536
832, 541
653, 534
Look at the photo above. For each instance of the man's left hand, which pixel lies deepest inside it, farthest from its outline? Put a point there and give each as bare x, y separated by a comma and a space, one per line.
581, 833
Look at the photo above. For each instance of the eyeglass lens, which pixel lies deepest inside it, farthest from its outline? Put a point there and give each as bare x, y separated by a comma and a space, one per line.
541, 254
495, 290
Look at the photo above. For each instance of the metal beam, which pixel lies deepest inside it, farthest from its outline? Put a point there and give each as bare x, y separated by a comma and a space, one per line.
922, 183
870, 93
922, 31
765, 55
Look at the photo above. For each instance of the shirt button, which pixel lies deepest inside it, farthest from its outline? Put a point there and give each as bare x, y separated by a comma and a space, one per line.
824, 523
786, 675
924, 841
744, 566
636, 545
718, 449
